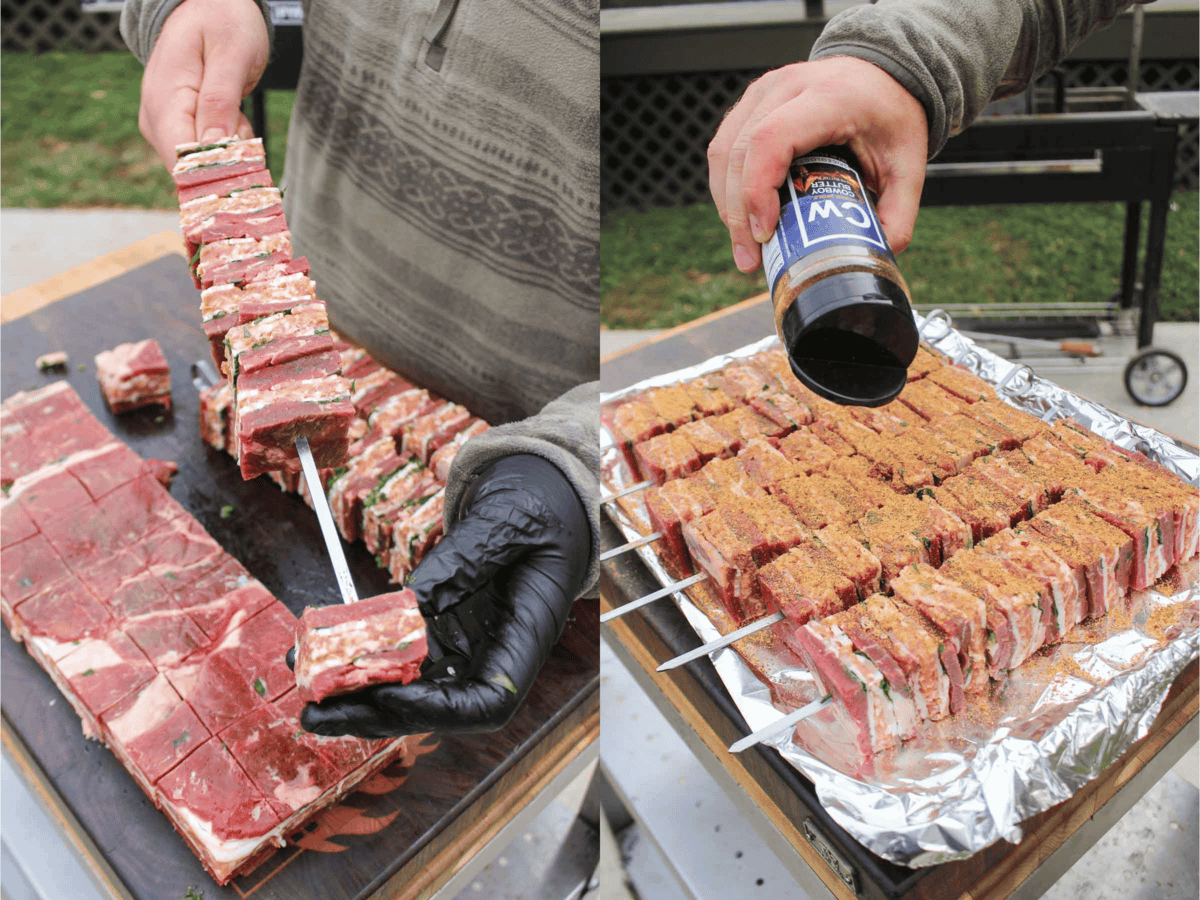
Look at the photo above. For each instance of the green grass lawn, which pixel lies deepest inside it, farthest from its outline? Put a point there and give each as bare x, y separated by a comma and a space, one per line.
663, 267
69, 134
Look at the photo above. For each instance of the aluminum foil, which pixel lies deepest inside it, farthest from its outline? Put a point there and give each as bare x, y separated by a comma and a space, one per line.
1055, 724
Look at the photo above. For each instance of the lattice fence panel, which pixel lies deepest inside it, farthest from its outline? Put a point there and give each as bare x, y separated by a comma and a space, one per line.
655, 129
39, 26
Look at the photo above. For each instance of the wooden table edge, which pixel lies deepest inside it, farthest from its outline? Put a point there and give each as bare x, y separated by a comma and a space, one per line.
68, 826
1041, 837
25, 300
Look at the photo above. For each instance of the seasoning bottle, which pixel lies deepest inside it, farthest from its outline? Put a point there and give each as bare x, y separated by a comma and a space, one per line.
842, 308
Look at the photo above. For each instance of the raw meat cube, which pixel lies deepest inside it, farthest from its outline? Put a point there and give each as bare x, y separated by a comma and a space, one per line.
345, 753
276, 339
28, 567
217, 808
103, 670
138, 508
413, 536
1019, 616
1017, 423
226, 186
724, 549
49, 493
152, 730
854, 681
1104, 553
864, 634
269, 420
1067, 594
392, 497
243, 669
929, 401
808, 451
15, 524
392, 414
708, 399
55, 361
106, 468
281, 764
783, 409
139, 594
666, 457
339, 649
960, 614
707, 441
443, 457
421, 436
133, 376
228, 591
925, 362
766, 465
962, 384
673, 403
181, 552
216, 407
917, 650
197, 163
64, 612
668, 507
167, 636
804, 584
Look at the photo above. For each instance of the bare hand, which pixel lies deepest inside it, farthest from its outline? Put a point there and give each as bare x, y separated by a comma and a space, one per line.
208, 57
790, 111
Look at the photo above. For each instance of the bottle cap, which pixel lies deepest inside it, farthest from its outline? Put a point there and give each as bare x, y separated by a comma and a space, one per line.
851, 338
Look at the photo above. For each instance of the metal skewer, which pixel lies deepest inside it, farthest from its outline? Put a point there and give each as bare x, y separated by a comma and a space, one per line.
632, 545
650, 598
632, 489
790, 719
723, 641
316, 491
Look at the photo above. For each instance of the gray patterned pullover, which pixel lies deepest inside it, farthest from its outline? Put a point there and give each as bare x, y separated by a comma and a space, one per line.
442, 178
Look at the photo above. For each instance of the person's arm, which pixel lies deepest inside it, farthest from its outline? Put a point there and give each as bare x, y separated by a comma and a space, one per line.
877, 76
521, 545
202, 58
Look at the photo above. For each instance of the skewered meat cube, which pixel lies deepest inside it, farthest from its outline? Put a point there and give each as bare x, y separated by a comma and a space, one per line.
345, 648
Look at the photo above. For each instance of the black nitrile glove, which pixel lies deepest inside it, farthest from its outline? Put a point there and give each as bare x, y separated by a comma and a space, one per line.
495, 592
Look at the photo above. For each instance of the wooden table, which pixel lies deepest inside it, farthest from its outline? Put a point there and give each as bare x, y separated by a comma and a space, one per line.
412, 829
779, 802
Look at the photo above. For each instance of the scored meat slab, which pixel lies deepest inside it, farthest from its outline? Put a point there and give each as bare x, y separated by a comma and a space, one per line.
165, 646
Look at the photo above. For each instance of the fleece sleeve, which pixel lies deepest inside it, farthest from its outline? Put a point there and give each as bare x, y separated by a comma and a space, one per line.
957, 57
566, 433
142, 20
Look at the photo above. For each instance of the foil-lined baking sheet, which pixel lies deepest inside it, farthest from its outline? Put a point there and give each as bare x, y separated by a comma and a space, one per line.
1055, 724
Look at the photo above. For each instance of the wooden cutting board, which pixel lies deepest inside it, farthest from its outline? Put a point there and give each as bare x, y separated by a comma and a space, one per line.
411, 827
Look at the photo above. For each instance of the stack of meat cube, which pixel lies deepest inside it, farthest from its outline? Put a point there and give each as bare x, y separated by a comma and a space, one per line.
166, 647
390, 491
916, 550
268, 332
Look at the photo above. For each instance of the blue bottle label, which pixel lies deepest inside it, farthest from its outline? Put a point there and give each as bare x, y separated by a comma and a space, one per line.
822, 203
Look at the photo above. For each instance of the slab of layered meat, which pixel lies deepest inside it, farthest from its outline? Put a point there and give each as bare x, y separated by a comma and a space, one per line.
345, 648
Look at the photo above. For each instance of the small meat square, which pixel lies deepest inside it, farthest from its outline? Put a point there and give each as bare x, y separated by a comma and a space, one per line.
197, 163
133, 376
270, 419
273, 752
217, 808
345, 648
152, 730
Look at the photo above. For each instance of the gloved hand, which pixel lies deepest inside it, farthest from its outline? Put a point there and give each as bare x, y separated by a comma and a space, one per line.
495, 592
